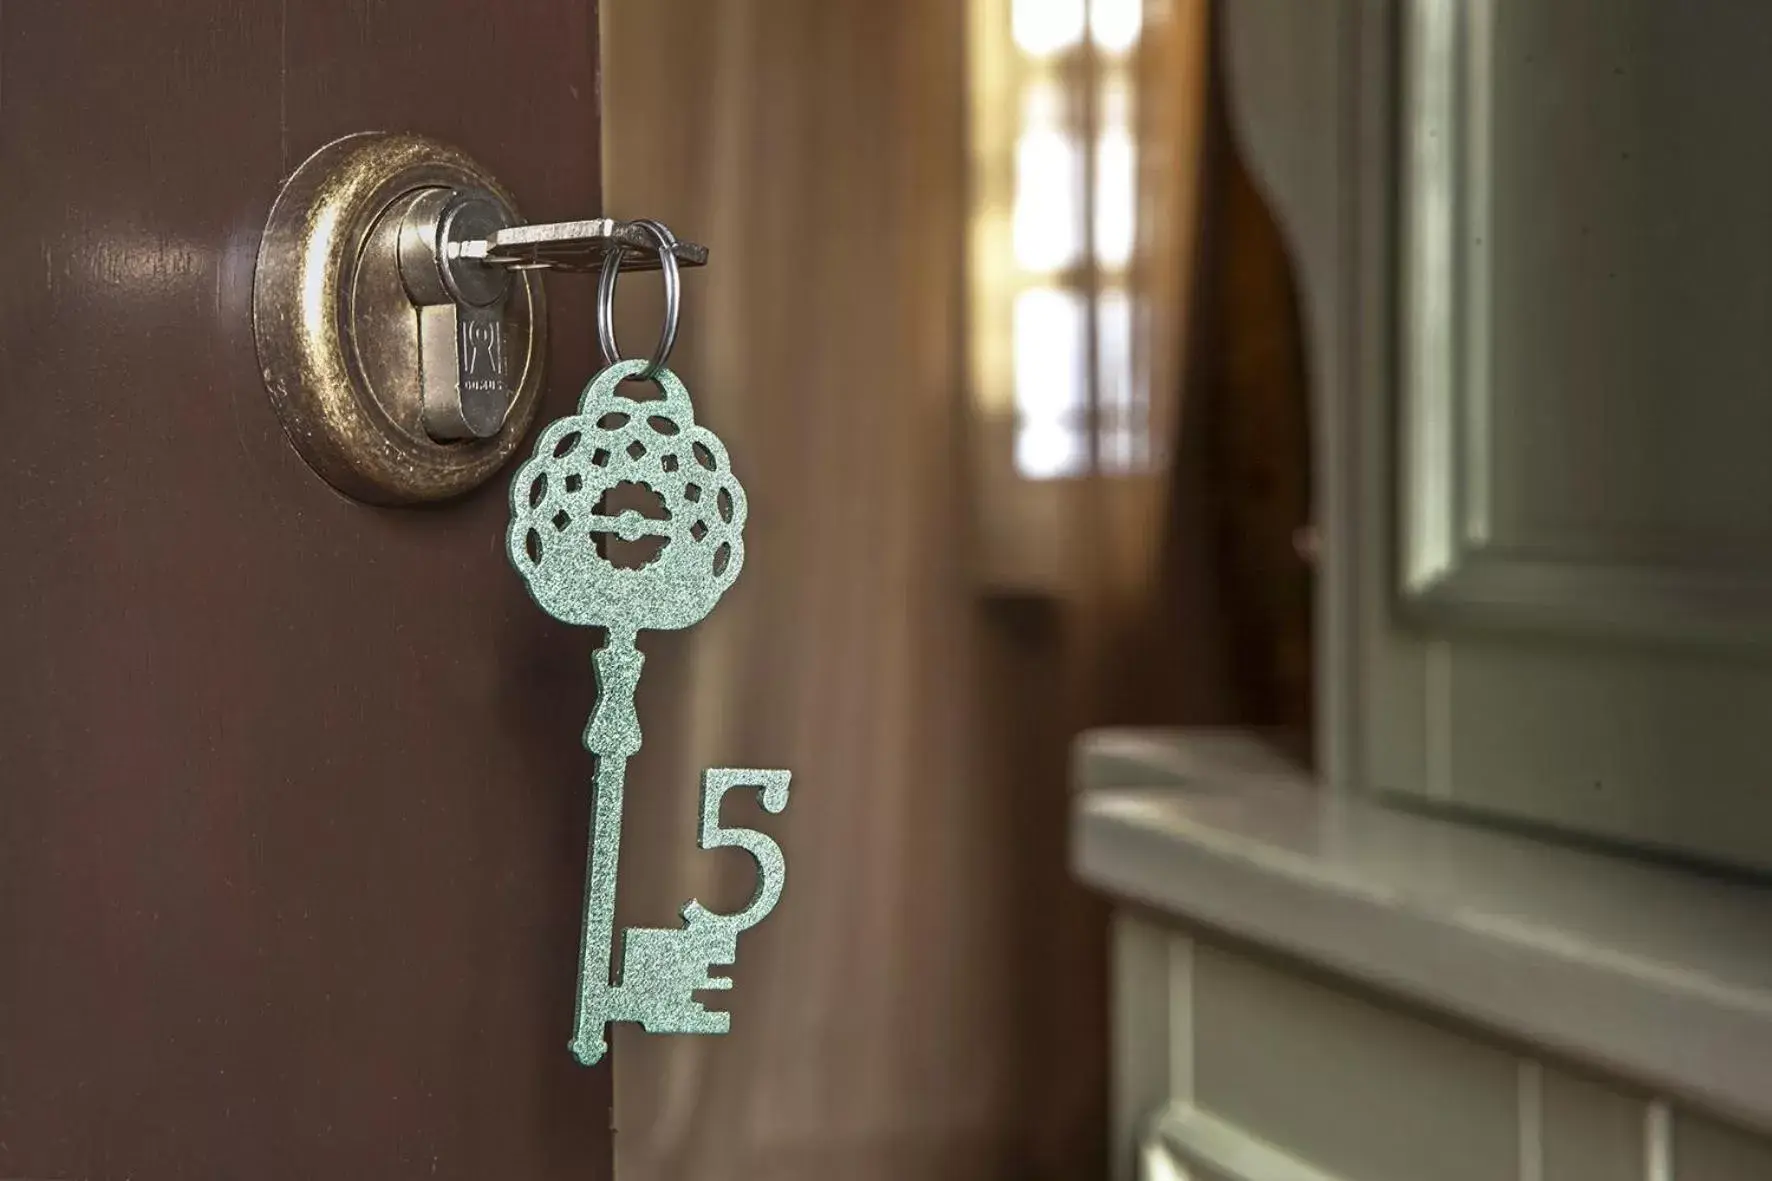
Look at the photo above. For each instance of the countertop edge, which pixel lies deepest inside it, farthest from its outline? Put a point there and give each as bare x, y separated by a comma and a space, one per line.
1666, 1026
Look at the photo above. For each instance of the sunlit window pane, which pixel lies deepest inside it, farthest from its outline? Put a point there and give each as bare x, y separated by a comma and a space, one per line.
1048, 173
1045, 27
1050, 383
1122, 415
1114, 25
1049, 352
1048, 224
1044, 451
1115, 195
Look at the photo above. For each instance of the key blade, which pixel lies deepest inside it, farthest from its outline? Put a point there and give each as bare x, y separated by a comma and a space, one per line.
577, 246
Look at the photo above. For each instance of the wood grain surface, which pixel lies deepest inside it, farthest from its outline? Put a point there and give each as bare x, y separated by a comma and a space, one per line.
292, 806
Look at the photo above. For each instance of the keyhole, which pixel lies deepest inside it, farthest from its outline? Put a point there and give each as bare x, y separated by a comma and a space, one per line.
618, 551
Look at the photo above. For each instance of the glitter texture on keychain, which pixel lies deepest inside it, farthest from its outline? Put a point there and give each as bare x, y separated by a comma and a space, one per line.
617, 450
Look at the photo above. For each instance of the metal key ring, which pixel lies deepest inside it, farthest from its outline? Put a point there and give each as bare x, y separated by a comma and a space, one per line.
673, 286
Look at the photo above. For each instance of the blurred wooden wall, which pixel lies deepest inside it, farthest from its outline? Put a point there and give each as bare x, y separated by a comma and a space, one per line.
1249, 381
1225, 635
928, 999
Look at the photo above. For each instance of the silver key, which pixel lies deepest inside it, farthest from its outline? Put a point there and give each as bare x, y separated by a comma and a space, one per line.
457, 252
576, 246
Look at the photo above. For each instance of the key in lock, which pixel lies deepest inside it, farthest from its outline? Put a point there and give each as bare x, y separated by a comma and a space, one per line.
400, 315
457, 251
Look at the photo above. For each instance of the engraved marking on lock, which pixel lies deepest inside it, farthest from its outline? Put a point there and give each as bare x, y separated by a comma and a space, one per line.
460, 305
482, 356
484, 350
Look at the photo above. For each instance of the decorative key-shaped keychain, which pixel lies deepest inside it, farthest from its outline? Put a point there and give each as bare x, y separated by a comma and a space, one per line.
563, 501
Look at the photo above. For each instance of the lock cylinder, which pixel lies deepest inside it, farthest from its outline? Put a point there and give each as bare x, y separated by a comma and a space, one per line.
399, 313
403, 369
459, 303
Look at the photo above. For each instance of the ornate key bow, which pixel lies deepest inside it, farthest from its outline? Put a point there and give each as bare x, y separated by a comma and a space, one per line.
561, 502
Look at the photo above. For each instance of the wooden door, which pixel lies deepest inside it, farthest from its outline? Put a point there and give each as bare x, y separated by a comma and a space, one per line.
292, 808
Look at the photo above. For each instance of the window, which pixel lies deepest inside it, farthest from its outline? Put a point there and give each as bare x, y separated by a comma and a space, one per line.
1055, 197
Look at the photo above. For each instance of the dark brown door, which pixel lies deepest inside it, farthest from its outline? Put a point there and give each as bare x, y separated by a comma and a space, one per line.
292, 811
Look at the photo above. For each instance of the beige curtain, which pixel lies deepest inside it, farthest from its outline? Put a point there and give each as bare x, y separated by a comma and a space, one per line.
927, 1000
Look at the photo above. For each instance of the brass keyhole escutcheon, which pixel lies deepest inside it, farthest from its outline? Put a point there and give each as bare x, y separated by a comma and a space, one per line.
339, 333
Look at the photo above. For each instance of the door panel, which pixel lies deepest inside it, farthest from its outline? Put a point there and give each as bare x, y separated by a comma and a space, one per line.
1576, 627
292, 809
1584, 306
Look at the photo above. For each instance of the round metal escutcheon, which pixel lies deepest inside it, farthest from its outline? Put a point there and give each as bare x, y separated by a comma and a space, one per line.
338, 337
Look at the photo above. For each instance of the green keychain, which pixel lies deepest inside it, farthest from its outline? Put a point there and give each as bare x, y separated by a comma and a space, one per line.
652, 451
